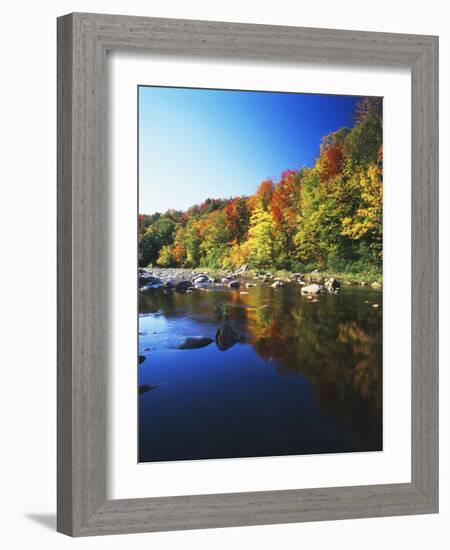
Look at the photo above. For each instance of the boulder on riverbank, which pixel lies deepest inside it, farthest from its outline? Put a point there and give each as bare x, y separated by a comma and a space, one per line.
226, 337
376, 284
148, 283
202, 279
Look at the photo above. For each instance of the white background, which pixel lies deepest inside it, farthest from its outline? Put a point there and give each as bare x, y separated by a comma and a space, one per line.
131, 480
28, 303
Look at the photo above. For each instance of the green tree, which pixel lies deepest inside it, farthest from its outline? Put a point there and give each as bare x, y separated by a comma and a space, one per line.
166, 257
215, 244
156, 236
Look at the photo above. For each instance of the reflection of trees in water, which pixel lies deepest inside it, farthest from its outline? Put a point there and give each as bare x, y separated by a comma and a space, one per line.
367, 372
335, 344
201, 306
337, 352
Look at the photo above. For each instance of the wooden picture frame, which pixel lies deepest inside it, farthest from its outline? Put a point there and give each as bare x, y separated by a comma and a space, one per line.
83, 41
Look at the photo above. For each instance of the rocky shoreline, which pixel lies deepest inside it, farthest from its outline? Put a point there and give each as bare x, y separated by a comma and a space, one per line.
188, 280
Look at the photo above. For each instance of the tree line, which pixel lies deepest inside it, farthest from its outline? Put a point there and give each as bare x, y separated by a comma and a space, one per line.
328, 216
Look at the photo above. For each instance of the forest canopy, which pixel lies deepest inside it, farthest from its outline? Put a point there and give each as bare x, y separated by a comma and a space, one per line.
328, 216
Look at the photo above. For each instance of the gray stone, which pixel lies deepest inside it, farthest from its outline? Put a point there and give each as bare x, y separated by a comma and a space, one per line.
200, 279
182, 286
195, 342
312, 289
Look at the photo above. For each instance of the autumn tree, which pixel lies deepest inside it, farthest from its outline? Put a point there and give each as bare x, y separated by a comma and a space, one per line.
328, 215
237, 218
262, 196
261, 240
216, 238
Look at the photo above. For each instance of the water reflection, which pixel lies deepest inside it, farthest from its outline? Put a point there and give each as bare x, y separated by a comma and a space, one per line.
334, 346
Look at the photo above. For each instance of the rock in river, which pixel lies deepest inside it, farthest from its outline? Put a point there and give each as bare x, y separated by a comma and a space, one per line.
233, 284
277, 284
182, 286
332, 284
195, 342
226, 337
170, 284
146, 387
148, 281
201, 279
312, 289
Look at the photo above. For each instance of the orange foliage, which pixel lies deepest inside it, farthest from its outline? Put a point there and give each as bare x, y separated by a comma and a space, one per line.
263, 195
333, 159
284, 199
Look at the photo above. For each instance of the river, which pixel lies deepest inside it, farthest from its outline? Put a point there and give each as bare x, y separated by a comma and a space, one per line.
305, 376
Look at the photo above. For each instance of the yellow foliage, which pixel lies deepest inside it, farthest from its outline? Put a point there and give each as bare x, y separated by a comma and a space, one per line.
239, 254
368, 217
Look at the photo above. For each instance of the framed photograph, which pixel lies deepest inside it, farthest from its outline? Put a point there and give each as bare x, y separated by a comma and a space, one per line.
247, 274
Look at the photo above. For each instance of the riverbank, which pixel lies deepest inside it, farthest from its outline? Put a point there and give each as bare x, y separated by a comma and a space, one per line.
157, 276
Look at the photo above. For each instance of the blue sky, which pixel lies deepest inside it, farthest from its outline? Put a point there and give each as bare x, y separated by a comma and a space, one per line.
195, 144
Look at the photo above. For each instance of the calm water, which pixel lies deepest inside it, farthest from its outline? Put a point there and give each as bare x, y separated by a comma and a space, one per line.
307, 378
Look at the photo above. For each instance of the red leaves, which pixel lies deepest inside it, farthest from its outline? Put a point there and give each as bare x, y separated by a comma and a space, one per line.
283, 201
237, 216
232, 216
333, 160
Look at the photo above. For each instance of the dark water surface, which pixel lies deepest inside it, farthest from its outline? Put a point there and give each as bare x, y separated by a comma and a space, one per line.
307, 378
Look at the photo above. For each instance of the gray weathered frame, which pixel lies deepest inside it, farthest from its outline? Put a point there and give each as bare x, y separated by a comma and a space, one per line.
83, 40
